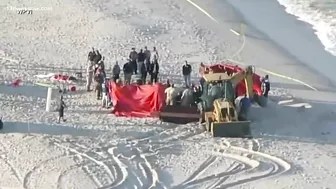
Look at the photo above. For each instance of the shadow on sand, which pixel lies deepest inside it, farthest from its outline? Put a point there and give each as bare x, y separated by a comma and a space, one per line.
20, 127
316, 124
29, 91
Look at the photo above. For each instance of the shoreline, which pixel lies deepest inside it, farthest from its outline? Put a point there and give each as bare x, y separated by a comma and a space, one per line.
259, 49
296, 38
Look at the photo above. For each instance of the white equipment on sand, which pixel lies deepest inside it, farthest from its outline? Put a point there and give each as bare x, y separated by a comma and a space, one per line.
48, 103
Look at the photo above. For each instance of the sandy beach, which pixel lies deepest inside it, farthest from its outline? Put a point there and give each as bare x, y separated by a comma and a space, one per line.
293, 138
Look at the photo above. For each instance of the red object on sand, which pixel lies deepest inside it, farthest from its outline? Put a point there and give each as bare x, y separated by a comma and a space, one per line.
241, 89
16, 83
61, 77
137, 100
73, 88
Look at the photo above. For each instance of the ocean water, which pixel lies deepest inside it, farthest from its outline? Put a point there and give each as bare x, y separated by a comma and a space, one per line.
321, 14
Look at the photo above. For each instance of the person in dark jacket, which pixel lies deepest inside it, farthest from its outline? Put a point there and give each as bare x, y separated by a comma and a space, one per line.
134, 56
143, 71
116, 71
154, 71
266, 86
186, 71
128, 70
148, 55
91, 55
61, 108
97, 58
141, 60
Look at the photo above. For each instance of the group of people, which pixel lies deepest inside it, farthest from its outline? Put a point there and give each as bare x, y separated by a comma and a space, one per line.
185, 97
142, 63
96, 72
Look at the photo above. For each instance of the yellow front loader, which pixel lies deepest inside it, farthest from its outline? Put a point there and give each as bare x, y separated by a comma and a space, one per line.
224, 122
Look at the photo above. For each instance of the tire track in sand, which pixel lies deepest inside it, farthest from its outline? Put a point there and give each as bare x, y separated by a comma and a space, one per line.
11, 167
60, 182
241, 164
27, 177
276, 166
73, 149
207, 163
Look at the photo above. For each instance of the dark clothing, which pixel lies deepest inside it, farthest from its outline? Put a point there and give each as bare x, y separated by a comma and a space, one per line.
143, 72
154, 67
115, 77
154, 77
148, 55
143, 68
154, 71
61, 109
97, 58
127, 68
266, 87
186, 69
147, 63
1, 124
245, 104
134, 66
133, 56
202, 81
91, 55
141, 57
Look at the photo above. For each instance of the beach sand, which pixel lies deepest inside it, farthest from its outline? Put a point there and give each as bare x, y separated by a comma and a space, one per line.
294, 137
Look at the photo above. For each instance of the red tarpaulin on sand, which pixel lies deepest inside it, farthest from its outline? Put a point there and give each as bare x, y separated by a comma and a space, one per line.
241, 89
137, 100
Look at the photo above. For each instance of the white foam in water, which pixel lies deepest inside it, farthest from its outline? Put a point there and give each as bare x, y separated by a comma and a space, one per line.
323, 21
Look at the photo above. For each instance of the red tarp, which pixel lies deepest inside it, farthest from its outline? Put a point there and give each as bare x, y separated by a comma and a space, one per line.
241, 89
137, 100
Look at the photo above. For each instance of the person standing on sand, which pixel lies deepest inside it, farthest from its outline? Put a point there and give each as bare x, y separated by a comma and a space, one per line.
99, 80
171, 94
104, 94
154, 55
97, 58
154, 71
148, 56
143, 72
186, 71
92, 54
61, 108
133, 56
266, 86
141, 59
89, 77
127, 69
116, 71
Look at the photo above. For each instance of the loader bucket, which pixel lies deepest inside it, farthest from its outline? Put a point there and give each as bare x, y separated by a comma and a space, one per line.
179, 115
237, 129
